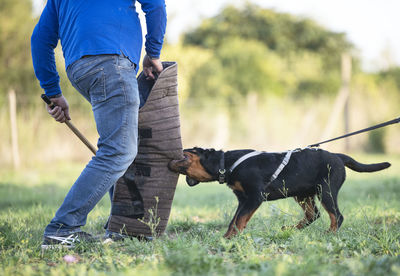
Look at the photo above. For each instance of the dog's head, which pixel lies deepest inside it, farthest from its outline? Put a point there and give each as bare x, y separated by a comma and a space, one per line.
199, 165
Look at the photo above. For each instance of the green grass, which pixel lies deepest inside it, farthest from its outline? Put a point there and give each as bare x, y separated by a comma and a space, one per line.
367, 244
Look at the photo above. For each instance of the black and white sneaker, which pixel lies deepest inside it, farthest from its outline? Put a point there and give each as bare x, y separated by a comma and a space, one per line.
67, 241
111, 237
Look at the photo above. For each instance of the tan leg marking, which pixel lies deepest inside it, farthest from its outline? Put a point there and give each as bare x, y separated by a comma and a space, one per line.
308, 206
334, 225
231, 230
240, 224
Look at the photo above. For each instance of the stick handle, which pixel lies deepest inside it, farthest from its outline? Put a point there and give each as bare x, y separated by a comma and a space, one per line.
81, 137
47, 101
71, 126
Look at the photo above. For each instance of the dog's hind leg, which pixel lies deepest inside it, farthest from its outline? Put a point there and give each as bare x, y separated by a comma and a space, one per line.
329, 202
311, 212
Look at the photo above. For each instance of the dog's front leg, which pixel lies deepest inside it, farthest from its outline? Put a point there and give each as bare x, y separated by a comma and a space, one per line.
232, 226
245, 213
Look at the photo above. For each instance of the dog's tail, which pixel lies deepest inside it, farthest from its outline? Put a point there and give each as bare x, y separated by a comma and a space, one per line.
359, 167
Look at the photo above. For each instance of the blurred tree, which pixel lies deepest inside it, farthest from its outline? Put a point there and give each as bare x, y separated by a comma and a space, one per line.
262, 51
16, 25
278, 31
238, 68
189, 59
259, 68
392, 74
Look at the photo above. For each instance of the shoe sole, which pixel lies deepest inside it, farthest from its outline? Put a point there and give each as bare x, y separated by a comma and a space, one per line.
56, 246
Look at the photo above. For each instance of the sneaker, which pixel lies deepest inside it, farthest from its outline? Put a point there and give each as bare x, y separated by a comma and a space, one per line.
145, 238
111, 237
67, 241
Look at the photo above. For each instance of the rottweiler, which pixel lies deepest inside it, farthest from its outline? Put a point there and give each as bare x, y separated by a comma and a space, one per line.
254, 177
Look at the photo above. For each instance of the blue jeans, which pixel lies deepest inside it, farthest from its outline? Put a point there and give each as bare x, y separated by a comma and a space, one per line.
109, 83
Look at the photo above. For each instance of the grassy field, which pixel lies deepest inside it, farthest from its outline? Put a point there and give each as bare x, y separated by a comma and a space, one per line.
367, 244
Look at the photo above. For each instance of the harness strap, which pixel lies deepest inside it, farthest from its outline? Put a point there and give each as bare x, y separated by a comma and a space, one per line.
285, 161
243, 158
221, 171
274, 176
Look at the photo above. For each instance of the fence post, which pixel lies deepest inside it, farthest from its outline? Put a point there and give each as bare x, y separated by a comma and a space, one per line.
14, 129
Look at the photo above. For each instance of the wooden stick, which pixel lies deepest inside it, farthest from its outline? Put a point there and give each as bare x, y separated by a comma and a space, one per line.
71, 126
81, 137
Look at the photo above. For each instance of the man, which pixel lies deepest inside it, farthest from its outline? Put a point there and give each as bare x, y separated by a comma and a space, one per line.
101, 42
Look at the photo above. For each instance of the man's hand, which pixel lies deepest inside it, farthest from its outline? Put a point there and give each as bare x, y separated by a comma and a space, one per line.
61, 112
150, 66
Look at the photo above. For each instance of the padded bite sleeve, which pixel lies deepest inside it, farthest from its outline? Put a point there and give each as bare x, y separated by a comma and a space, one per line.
143, 195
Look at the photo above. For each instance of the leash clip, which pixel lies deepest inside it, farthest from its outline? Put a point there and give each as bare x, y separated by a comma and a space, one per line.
221, 176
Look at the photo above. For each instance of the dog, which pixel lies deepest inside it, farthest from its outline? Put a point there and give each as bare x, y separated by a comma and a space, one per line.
255, 177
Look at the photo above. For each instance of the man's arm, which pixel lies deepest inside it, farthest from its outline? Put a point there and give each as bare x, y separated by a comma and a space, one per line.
43, 41
156, 22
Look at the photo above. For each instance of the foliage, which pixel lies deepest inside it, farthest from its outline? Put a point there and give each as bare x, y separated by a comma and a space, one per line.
261, 51
376, 141
392, 74
16, 25
228, 76
278, 31
189, 60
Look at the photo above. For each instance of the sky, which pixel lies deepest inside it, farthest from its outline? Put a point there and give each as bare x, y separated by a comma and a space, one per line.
372, 25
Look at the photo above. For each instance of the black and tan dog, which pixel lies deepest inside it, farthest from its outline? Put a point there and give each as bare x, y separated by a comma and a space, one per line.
255, 177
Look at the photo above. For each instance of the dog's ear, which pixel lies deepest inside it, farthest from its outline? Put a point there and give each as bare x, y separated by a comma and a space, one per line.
194, 150
191, 182
199, 151
206, 153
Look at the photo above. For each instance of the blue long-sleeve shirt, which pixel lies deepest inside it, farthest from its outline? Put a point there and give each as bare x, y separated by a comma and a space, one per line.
93, 27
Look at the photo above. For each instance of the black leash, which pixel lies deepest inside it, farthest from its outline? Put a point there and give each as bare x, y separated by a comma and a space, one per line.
391, 122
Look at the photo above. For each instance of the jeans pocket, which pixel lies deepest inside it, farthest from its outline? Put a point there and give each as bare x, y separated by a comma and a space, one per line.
93, 83
125, 63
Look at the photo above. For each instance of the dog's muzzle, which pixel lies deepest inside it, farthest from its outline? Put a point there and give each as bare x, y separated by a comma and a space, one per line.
180, 166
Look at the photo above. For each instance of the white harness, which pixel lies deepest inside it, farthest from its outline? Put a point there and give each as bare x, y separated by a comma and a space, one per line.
275, 175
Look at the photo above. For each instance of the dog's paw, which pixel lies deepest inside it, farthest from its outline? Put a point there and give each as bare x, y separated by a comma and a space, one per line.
331, 231
288, 227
